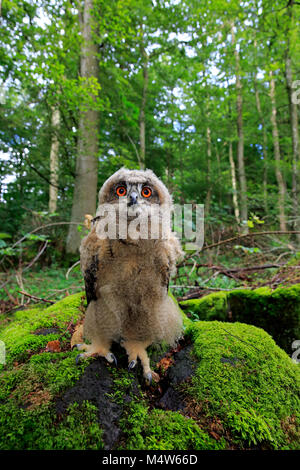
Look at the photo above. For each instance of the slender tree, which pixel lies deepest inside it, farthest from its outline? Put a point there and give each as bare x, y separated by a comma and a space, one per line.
240, 132
293, 118
277, 156
234, 186
54, 160
85, 188
142, 115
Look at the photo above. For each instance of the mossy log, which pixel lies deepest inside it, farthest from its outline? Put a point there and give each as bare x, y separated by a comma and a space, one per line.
276, 311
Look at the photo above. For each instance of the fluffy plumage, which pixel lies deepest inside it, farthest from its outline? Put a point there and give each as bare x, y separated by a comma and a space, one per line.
127, 280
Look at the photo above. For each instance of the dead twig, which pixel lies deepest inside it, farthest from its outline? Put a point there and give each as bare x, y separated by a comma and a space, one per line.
19, 279
41, 227
70, 269
11, 298
37, 256
40, 299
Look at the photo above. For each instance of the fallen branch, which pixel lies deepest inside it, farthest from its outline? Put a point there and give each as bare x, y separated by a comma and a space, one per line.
238, 237
253, 234
223, 269
35, 298
210, 288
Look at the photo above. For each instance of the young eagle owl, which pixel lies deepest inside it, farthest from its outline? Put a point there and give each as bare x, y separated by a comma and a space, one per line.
127, 273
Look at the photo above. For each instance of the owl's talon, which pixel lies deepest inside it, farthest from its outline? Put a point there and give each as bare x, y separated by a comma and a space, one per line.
78, 358
110, 357
151, 377
132, 365
148, 378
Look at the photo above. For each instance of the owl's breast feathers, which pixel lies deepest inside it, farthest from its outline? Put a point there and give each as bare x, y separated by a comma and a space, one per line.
125, 265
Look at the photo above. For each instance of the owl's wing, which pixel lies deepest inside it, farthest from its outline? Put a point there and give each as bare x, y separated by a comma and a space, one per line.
90, 279
168, 252
90, 255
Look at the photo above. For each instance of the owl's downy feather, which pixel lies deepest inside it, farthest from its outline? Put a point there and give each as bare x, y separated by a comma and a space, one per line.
127, 279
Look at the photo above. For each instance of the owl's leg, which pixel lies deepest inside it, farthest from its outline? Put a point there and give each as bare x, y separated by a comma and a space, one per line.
137, 349
95, 349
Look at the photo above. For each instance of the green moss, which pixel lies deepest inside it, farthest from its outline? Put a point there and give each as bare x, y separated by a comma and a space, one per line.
31, 381
243, 379
37, 429
246, 380
185, 319
164, 430
277, 312
19, 338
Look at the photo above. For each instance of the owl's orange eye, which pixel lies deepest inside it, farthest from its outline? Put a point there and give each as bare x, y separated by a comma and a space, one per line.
121, 191
146, 192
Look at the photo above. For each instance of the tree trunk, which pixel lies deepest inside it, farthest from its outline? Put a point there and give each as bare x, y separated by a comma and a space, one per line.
265, 137
142, 116
295, 140
208, 194
85, 188
264, 145
53, 188
240, 133
279, 176
234, 186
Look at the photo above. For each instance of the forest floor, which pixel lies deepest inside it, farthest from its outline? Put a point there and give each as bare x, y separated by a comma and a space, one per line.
196, 278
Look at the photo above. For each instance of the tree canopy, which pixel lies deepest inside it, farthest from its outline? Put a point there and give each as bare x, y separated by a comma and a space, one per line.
204, 93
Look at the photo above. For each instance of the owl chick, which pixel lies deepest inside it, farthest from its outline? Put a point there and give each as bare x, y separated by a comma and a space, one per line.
127, 272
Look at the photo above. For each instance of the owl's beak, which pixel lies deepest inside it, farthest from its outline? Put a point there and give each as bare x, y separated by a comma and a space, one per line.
133, 198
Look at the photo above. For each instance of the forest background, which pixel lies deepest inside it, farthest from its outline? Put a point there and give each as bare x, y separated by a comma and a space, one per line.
206, 94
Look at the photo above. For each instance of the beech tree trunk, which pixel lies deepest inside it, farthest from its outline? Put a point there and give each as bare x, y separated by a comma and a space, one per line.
277, 157
142, 115
234, 186
208, 194
295, 141
53, 188
265, 136
264, 145
85, 188
240, 133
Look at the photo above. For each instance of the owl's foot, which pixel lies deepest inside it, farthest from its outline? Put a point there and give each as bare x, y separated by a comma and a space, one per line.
132, 364
92, 350
137, 350
151, 376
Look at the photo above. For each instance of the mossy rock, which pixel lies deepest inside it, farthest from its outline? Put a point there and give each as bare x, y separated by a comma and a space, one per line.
277, 311
234, 388
246, 382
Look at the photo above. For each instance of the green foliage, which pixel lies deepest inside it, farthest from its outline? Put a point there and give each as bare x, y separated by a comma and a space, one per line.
46, 283
191, 73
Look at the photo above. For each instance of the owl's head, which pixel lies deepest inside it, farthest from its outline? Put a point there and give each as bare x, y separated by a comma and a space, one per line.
140, 189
